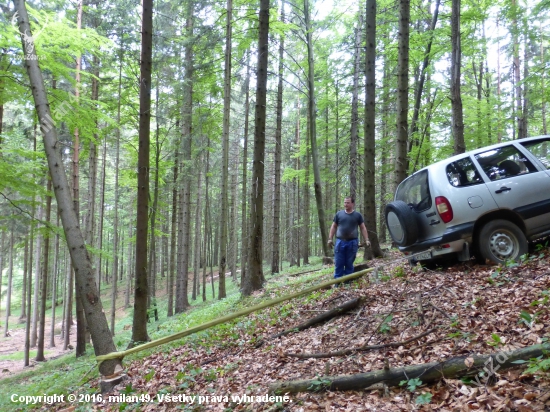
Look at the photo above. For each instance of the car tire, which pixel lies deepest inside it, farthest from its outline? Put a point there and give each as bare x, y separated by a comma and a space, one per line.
401, 223
501, 240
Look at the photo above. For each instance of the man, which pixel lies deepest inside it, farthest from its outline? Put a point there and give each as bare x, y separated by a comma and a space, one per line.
345, 226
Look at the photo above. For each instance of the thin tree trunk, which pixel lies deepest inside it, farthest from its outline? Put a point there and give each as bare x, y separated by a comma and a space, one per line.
456, 98
54, 284
102, 341
44, 280
141, 292
10, 284
369, 181
354, 134
225, 150
23, 315
278, 149
402, 92
254, 275
182, 301
173, 238
312, 110
197, 251
245, 196
36, 288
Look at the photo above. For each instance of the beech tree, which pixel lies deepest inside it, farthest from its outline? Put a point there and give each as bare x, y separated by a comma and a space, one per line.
86, 286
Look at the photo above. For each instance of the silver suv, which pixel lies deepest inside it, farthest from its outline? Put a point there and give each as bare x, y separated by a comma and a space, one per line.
488, 202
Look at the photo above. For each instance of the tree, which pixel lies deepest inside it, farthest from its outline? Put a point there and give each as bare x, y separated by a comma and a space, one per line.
402, 92
254, 275
141, 293
86, 286
456, 98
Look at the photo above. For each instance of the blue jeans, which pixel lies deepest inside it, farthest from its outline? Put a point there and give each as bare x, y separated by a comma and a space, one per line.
345, 252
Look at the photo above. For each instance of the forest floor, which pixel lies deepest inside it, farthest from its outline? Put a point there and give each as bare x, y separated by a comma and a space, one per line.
470, 310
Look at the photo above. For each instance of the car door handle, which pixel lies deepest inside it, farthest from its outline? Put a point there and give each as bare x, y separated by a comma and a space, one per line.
503, 189
435, 222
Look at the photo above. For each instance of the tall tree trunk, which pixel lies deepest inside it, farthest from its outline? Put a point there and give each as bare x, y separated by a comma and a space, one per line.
401, 162
225, 150
141, 292
36, 288
54, 284
197, 251
312, 110
173, 236
10, 284
354, 134
456, 98
80, 317
254, 275
153, 246
244, 196
413, 139
86, 287
116, 226
23, 315
277, 171
515, 32
207, 226
369, 181
44, 280
182, 301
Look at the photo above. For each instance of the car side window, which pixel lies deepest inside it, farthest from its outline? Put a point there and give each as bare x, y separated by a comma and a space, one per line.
463, 173
504, 162
541, 150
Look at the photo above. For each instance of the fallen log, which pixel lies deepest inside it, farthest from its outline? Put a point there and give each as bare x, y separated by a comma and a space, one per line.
346, 352
337, 311
480, 367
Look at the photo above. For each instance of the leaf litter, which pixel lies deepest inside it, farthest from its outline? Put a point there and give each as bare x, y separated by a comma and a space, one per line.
476, 309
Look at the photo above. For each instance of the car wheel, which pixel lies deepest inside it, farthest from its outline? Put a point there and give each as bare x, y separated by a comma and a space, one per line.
401, 222
501, 240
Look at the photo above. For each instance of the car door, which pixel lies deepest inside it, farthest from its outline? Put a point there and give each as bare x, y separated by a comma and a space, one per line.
516, 184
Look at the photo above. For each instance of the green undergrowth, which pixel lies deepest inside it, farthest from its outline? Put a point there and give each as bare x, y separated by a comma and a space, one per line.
68, 374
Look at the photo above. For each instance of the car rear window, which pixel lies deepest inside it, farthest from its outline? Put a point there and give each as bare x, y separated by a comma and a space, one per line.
540, 149
463, 173
504, 162
415, 191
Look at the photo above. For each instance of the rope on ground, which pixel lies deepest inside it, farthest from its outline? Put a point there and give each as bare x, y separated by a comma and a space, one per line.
204, 326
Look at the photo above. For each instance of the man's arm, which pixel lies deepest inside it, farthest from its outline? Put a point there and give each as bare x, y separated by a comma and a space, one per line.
364, 233
332, 232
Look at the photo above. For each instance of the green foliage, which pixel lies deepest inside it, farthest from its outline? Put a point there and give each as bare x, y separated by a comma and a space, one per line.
319, 384
412, 384
423, 399
385, 325
495, 340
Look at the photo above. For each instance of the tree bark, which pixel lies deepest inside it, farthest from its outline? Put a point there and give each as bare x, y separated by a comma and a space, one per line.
354, 132
456, 98
428, 372
277, 162
86, 287
312, 115
44, 280
254, 275
225, 151
369, 156
329, 314
401, 162
141, 292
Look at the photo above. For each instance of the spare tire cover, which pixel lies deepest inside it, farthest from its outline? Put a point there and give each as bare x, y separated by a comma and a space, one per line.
401, 222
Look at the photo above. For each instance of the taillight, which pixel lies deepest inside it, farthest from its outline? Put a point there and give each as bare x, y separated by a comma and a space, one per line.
444, 208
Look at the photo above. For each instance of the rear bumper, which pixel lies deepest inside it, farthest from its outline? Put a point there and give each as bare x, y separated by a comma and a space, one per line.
454, 236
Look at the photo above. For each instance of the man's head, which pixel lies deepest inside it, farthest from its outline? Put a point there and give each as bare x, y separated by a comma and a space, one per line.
349, 203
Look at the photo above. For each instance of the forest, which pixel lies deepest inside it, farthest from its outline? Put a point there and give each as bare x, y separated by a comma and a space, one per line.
177, 148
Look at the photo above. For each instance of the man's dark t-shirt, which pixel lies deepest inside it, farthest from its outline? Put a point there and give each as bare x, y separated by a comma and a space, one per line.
348, 224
